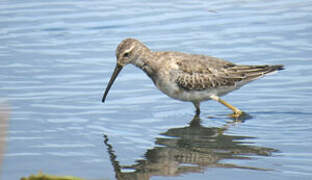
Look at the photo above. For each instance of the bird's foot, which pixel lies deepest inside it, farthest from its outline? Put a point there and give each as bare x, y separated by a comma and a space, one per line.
237, 114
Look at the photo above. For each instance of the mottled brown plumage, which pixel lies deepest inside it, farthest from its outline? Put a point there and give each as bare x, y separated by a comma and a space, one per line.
217, 73
188, 77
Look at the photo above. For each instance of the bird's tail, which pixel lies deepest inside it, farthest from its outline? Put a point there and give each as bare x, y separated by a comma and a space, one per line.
269, 69
249, 73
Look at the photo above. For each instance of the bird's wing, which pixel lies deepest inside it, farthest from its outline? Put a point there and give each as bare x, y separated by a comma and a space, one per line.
198, 72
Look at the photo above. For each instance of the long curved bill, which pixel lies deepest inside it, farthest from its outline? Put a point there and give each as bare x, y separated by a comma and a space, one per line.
111, 81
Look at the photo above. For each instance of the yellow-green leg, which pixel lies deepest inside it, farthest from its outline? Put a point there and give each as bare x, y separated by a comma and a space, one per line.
236, 112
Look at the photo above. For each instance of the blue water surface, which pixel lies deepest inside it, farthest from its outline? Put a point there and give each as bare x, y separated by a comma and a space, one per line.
56, 58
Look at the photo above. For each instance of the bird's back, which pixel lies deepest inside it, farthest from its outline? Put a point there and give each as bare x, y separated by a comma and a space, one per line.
200, 72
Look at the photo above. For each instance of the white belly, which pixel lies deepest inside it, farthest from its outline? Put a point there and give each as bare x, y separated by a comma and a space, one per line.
173, 91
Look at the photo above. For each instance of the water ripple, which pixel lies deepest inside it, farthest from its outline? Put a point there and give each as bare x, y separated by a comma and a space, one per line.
57, 56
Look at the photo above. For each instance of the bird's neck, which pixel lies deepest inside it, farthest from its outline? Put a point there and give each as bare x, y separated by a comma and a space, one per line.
146, 62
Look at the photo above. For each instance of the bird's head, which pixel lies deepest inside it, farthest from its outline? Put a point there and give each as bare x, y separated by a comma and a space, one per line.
127, 52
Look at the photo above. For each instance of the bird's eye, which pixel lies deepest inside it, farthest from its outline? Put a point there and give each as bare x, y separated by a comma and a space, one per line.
126, 54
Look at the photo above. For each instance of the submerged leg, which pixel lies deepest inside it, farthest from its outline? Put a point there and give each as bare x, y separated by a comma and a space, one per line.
197, 106
237, 113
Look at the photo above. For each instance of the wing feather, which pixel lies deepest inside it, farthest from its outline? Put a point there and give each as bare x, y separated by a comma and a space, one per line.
199, 72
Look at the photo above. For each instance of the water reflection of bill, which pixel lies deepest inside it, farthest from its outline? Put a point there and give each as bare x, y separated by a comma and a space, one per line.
4, 113
189, 149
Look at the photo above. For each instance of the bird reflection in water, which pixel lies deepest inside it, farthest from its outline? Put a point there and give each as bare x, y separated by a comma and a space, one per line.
189, 149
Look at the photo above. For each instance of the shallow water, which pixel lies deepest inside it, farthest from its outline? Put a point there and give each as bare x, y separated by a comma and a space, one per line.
56, 58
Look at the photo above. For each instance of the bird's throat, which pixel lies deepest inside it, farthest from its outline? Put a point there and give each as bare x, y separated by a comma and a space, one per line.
146, 64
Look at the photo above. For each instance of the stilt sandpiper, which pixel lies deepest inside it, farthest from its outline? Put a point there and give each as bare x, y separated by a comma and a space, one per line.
188, 77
